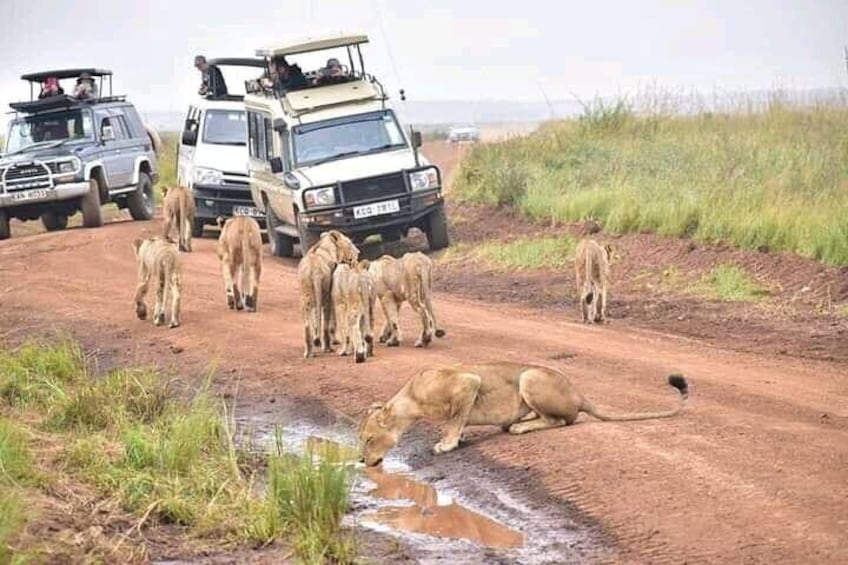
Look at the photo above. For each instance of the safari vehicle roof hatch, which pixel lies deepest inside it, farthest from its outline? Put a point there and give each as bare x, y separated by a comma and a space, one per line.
63, 101
233, 62
313, 43
299, 102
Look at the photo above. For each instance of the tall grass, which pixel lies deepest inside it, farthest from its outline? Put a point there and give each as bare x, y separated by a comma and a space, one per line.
528, 253
776, 178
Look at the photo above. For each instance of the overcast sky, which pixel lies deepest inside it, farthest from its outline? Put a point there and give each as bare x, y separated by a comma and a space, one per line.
443, 49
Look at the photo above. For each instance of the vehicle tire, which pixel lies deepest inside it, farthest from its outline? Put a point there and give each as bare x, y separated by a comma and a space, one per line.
280, 244
54, 221
197, 228
92, 214
437, 229
5, 232
306, 237
141, 203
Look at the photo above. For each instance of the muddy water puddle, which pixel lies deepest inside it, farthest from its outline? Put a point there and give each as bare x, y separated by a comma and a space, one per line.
442, 515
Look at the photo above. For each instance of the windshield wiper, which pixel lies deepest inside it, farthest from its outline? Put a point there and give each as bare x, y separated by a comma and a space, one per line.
336, 156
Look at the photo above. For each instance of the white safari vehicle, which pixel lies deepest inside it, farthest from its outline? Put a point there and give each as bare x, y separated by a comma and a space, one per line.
331, 154
212, 154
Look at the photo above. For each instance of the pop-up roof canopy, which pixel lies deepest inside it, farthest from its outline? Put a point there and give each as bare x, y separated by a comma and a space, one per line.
65, 73
312, 43
236, 62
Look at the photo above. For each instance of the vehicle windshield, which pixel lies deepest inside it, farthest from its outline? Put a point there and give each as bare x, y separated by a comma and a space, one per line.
348, 136
225, 127
37, 129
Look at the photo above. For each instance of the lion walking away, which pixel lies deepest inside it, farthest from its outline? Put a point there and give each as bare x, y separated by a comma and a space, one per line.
591, 274
239, 250
178, 211
158, 260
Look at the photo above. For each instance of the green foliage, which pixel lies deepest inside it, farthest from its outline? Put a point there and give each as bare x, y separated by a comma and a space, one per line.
528, 253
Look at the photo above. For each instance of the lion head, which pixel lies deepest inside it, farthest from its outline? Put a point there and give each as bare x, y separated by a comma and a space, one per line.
376, 435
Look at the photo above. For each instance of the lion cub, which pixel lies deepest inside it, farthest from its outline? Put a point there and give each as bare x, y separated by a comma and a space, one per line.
408, 279
240, 249
591, 273
178, 211
158, 260
353, 298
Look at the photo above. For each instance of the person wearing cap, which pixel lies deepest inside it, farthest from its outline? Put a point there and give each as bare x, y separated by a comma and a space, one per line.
212, 81
85, 87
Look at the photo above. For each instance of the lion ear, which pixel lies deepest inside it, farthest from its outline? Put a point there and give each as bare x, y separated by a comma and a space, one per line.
136, 244
164, 190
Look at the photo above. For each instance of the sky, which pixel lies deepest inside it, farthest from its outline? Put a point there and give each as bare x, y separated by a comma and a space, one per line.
444, 49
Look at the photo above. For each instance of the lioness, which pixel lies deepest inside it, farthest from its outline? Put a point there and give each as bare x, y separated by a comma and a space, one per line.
591, 273
178, 211
159, 260
406, 279
352, 296
517, 397
315, 275
240, 249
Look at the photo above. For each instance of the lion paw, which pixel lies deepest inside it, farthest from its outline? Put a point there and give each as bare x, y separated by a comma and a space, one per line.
444, 447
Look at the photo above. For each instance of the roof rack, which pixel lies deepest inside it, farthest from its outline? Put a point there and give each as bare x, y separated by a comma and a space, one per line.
60, 101
237, 62
60, 74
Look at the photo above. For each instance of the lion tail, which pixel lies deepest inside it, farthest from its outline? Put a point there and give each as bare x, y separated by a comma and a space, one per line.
676, 381
588, 286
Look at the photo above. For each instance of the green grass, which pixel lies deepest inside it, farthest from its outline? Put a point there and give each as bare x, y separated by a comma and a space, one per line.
776, 178
167, 458
730, 283
528, 253
167, 162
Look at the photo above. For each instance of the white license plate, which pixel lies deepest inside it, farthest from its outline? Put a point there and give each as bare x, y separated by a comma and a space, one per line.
29, 194
246, 211
376, 209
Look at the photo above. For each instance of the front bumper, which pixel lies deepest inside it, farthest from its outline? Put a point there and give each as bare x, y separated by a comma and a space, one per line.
413, 208
64, 191
216, 200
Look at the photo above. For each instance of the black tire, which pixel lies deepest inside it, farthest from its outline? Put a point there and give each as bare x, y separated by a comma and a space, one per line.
92, 214
280, 244
306, 237
197, 228
54, 221
5, 232
141, 203
437, 229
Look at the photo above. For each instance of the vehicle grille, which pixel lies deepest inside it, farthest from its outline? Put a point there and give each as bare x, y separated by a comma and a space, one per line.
236, 179
373, 188
26, 177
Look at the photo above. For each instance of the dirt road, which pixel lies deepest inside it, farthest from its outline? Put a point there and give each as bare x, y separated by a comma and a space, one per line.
755, 471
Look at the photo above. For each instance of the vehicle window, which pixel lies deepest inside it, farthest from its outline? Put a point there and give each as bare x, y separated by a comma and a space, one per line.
225, 127
362, 134
269, 138
257, 137
53, 127
122, 130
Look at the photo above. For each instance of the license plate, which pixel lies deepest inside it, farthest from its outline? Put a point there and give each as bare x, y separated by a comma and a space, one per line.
376, 209
28, 194
246, 211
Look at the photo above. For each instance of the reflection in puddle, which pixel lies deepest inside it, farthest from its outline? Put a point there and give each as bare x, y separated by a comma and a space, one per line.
428, 516
432, 513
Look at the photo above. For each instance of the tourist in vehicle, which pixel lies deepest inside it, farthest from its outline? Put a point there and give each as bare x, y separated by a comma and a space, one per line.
212, 81
285, 76
50, 87
85, 87
333, 73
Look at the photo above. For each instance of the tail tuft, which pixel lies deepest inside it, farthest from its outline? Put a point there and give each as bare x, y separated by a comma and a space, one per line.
679, 382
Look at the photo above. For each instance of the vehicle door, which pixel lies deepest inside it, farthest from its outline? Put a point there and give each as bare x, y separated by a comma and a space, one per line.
129, 147
261, 150
110, 150
188, 146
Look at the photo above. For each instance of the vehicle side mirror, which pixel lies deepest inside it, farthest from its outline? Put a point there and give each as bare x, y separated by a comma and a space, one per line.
189, 137
276, 165
416, 139
107, 134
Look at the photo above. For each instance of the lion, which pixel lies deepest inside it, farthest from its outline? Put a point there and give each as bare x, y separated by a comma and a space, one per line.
178, 210
240, 249
353, 298
315, 275
519, 398
158, 260
408, 279
591, 273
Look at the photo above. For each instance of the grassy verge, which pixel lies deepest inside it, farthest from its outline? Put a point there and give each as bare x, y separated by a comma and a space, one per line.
730, 283
163, 458
773, 179
528, 253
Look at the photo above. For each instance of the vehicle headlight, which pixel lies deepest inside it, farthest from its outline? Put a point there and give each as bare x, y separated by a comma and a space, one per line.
202, 175
67, 166
315, 197
424, 179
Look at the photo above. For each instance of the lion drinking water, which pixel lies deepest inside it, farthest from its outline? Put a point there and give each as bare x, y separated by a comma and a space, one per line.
158, 260
408, 279
178, 212
239, 250
591, 273
517, 397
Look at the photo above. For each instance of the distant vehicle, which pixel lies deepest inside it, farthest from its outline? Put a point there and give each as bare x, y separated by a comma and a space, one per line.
65, 154
463, 133
212, 154
333, 155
